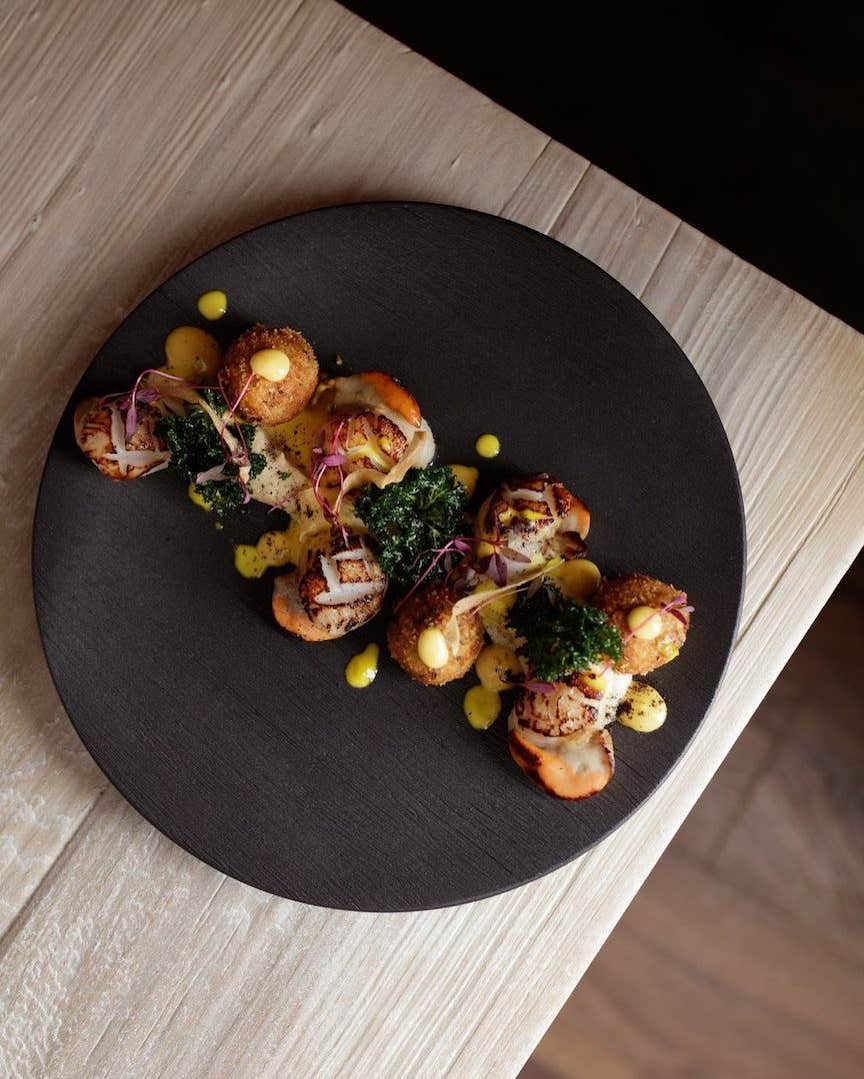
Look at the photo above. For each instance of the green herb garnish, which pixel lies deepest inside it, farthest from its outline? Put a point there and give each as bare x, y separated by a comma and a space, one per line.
562, 636
195, 447
412, 519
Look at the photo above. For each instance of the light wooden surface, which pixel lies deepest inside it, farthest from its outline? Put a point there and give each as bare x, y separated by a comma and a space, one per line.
135, 137
742, 953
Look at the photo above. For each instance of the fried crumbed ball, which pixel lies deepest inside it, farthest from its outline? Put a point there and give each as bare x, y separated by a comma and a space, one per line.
621, 595
340, 589
267, 402
100, 433
431, 608
366, 439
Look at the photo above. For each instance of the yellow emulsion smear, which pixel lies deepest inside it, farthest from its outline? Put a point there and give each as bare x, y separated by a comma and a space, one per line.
192, 353
482, 707
488, 445
361, 669
279, 548
212, 305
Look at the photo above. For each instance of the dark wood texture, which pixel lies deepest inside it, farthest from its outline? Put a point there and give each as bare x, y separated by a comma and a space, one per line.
245, 746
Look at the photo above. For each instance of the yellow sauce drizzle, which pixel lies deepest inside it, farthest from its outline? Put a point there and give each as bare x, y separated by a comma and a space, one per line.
467, 476
272, 549
361, 669
297, 436
192, 353
488, 445
270, 363
482, 707
213, 304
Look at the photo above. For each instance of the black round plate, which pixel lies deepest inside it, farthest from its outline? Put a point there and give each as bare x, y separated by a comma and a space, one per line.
246, 746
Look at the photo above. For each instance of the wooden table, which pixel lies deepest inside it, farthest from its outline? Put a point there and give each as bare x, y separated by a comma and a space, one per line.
136, 136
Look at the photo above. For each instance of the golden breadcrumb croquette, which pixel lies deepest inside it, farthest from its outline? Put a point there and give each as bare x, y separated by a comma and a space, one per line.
618, 597
431, 607
264, 401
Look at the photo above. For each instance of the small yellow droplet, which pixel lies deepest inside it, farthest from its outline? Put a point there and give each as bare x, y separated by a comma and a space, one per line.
482, 707
497, 667
488, 445
192, 353
595, 682
213, 305
644, 623
361, 669
432, 648
270, 363
467, 476
577, 578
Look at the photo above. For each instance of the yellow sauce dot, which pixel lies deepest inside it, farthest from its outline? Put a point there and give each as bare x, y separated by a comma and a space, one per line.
213, 304
577, 579
432, 648
196, 497
270, 363
482, 707
497, 667
488, 446
192, 353
595, 682
467, 476
643, 709
361, 669
644, 623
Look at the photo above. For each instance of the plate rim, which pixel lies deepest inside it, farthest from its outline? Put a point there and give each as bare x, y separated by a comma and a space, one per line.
741, 520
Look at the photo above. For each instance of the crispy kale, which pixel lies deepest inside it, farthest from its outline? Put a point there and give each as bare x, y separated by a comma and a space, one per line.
195, 447
412, 519
562, 636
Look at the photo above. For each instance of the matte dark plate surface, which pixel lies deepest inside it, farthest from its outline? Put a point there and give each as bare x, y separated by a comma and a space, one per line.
247, 747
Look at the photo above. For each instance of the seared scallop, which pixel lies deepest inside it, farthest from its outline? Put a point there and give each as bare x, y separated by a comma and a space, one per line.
362, 440
651, 616
534, 516
431, 643
584, 704
100, 432
287, 382
341, 588
570, 767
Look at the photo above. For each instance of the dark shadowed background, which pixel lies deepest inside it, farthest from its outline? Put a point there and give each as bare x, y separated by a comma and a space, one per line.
748, 128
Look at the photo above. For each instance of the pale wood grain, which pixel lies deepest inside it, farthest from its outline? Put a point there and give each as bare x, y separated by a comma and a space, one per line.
131, 956
701, 979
